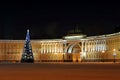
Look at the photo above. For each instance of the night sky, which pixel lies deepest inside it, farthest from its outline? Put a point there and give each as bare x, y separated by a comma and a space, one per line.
54, 20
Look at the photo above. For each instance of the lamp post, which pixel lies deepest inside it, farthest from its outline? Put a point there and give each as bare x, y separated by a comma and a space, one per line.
114, 54
63, 57
103, 54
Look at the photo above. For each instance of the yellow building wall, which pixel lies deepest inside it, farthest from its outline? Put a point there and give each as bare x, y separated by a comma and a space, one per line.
11, 50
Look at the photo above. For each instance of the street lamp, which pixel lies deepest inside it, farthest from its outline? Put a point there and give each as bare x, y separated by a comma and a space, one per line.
63, 57
103, 54
114, 54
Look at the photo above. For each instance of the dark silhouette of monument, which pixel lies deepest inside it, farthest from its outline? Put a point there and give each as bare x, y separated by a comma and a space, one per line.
27, 56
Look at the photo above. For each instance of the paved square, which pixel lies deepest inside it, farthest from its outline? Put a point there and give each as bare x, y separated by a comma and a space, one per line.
60, 71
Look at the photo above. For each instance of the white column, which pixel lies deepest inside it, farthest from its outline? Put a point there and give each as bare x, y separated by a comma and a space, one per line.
50, 47
93, 46
61, 48
65, 47
82, 46
88, 47
83, 49
55, 48
85, 46
43, 47
58, 47
47, 48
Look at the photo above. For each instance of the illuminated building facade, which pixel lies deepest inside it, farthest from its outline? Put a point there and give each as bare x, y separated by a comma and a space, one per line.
75, 47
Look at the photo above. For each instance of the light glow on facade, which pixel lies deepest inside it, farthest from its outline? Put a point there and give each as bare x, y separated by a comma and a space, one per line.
87, 49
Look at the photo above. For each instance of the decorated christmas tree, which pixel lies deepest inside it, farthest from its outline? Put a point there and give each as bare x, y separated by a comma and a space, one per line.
27, 55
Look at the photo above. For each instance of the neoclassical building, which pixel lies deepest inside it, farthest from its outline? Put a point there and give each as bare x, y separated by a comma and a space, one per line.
71, 48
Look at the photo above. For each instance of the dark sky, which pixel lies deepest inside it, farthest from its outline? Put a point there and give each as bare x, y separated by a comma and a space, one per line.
54, 20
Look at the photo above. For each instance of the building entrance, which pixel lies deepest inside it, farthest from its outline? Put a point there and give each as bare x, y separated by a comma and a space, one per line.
73, 53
